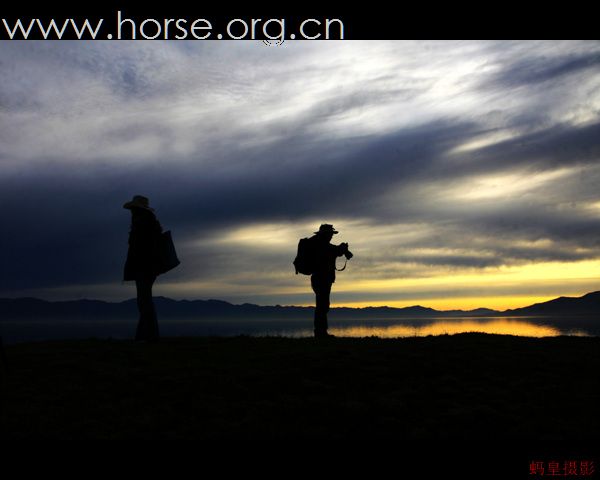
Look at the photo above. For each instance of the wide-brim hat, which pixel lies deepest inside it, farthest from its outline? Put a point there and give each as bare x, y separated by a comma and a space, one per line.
138, 201
326, 228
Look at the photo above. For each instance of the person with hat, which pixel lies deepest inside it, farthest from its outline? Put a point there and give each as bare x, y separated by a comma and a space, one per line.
323, 276
143, 263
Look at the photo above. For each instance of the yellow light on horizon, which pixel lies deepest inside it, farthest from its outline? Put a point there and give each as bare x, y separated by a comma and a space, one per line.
458, 303
505, 275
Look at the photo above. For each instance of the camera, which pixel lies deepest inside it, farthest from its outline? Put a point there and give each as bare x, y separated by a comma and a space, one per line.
347, 253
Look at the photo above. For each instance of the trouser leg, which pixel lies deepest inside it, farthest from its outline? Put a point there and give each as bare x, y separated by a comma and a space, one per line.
147, 328
322, 291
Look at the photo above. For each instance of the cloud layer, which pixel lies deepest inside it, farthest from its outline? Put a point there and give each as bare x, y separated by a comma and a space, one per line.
433, 159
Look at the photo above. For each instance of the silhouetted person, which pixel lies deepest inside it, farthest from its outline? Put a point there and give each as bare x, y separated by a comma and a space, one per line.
325, 255
143, 263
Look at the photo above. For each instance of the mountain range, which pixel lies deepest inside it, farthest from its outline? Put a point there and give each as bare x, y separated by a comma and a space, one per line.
586, 305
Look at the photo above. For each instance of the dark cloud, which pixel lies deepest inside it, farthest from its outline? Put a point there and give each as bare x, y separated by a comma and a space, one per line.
536, 70
72, 222
71, 227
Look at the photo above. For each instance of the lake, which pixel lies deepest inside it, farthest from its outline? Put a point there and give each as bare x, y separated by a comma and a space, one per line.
23, 330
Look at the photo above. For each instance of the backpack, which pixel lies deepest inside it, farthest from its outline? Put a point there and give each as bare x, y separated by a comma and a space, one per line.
305, 261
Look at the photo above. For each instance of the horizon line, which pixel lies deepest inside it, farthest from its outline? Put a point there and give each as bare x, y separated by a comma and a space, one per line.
293, 306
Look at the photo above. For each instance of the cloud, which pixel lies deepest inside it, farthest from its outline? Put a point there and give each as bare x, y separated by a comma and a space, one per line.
538, 70
433, 157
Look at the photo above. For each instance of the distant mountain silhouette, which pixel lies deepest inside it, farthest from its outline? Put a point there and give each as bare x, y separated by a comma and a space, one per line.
589, 304
97, 309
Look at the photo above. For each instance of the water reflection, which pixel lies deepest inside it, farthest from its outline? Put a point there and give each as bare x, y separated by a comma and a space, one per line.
53, 329
501, 326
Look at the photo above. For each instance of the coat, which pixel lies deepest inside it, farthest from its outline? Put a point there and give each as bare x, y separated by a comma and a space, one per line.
143, 255
325, 257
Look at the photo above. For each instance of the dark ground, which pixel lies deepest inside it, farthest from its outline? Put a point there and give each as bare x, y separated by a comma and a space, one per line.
466, 386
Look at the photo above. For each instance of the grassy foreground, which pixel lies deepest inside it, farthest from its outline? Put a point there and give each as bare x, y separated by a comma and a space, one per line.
465, 386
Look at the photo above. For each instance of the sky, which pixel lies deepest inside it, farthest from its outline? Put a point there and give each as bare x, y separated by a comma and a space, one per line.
462, 174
